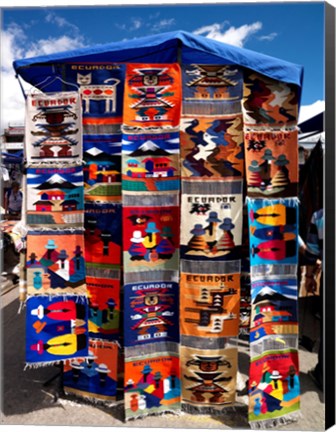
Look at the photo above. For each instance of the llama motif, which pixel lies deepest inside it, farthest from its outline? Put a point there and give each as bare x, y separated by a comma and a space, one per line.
98, 92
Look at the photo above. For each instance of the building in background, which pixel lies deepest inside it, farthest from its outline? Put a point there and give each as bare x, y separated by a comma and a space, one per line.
12, 141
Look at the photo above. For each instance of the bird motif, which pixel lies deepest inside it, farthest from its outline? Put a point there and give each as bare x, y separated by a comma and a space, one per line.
280, 96
283, 111
205, 151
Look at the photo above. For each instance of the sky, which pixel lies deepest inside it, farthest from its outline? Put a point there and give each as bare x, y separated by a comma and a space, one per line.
288, 31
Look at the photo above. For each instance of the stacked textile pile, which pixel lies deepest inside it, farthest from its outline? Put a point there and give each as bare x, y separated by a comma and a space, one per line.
57, 313
150, 190
211, 234
271, 155
101, 92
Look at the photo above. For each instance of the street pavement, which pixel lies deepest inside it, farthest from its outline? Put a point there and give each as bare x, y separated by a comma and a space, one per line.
28, 398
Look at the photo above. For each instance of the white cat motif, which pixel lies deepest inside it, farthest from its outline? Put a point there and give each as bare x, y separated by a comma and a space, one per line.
98, 92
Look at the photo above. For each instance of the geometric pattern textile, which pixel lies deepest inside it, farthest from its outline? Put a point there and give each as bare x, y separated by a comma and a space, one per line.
270, 112
135, 192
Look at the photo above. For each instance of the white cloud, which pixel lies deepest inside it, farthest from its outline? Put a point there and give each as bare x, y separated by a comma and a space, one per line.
52, 45
133, 24
154, 15
121, 26
233, 35
137, 23
268, 37
60, 22
308, 111
15, 45
163, 24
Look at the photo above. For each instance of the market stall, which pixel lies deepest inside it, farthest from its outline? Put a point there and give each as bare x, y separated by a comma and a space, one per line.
140, 155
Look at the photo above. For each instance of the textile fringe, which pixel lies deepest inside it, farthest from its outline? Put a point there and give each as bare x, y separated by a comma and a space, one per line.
151, 129
167, 411
267, 128
79, 298
211, 267
43, 364
231, 408
193, 107
102, 201
98, 341
274, 423
57, 164
65, 231
270, 343
149, 199
219, 187
152, 276
273, 270
208, 342
50, 363
92, 400
103, 273
93, 129
152, 348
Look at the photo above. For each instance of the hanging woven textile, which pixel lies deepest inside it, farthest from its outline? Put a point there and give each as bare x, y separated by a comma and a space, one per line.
53, 127
150, 166
57, 310
94, 378
101, 92
143, 265
271, 155
211, 234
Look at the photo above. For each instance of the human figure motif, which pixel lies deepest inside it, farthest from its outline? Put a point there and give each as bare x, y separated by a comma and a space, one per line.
281, 177
198, 242
146, 371
266, 166
211, 229
103, 371
64, 265
137, 250
151, 306
79, 261
255, 179
226, 241
293, 384
76, 368
51, 255
165, 248
265, 378
89, 365
150, 240
276, 385
207, 378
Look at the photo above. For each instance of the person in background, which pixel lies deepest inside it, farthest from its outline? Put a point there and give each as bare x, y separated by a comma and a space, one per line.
13, 200
313, 253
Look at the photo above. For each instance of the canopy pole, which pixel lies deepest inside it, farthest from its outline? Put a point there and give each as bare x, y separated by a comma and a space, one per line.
179, 52
21, 86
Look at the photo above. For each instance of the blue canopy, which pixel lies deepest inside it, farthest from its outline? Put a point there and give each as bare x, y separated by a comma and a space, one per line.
12, 158
169, 47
